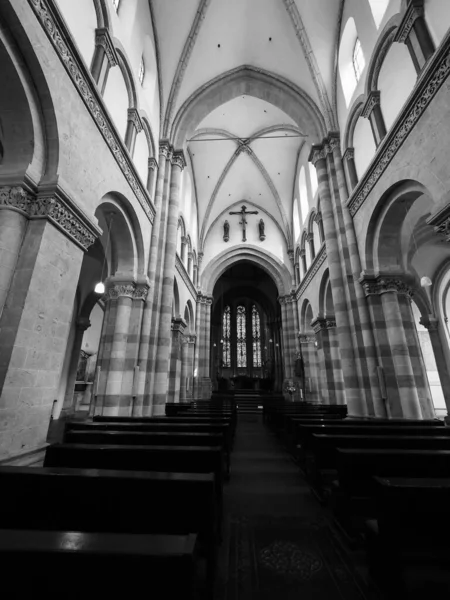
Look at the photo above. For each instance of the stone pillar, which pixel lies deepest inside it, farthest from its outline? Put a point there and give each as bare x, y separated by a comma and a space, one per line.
176, 358
189, 265
441, 353
308, 351
14, 202
134, 126
372, 111
312, 250
366, 349
319, 221
413, 31
353, 393
36, 316
199, 316
183, 248
303, 259
68, 407
350, 168
195, 275
152, 177
329, 363
162, 357
132, 373
390, 288
187, 364
104, 58
285, 338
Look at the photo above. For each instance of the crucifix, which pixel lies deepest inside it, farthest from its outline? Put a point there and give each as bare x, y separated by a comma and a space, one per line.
243, 212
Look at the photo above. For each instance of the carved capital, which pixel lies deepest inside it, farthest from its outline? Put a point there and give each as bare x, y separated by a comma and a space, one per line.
334, 142
373, 100
306, 339
178, 325
430, 322
382, 284
302, 253
120, 290
135, 118
310, 237
349, 154
282, 300
322, 323
178, 159
317, 154
140, 292
412, 13
318, 217
165, 150
103, 39
208, 300
189, 339
291, 255
16, 197
152, 163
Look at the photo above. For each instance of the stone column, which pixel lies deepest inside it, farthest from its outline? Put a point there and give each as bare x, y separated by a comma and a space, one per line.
372, 111
68, 407
187, 363
189, 265
104, 58
366, 349
319, 221
285, 338
308, 350
176, 359
390, 288
199, 316
413, 31
303, 259
114, 402
441, 353
312, 250
36, 316
350, 168
132, 373
162, 357
14, 203
152, 177
134, 126
206, 381
195, 275
183, 248
330, 371
353, 393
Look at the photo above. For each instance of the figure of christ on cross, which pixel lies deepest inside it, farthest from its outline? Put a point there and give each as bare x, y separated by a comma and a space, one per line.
243, 212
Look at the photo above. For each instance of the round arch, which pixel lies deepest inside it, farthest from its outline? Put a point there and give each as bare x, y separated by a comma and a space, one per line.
271, 265
251, 81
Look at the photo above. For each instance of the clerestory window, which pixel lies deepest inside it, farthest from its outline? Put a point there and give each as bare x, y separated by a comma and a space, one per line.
141, 73
358, 60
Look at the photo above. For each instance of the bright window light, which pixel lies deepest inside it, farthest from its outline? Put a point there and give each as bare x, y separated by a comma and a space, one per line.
116, 4
141, 71
358, 60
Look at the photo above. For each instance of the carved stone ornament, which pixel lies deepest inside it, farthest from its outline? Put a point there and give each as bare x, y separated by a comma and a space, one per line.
178, 159
141, 292
317, 153
372, 101
121, 290
135, 118
165, 150
349, 154
152, 163
383, 284
88, 91
52, 207
304, 338
313, 269
430, 322
436, 73
189, 339
413, 12
321, 323
103, 39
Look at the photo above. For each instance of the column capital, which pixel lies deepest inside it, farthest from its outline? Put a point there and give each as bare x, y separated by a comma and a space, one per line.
103, 39
291, 255
135, 118
430, 322
310, 237
321, 323
82, 323
349, 153
318, 152
189, 339
373, 99
152, 163
117, 290
178, 159
305, 338
318, 217
382, 284
414, 10
302, 253
165, 149
282, 300
178, 325
141, 291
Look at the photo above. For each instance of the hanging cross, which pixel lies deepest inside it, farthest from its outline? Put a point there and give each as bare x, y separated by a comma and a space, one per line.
243, 212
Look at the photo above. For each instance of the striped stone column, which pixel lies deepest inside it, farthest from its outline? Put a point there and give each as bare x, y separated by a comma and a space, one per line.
165, 311
416, 356
390, 288
308, 350
146, 330
178, 327
187, 364
285, 338
132, 371
355, 403
329, 363
114, 401
441, 353
207, 349
366, 348
198, 325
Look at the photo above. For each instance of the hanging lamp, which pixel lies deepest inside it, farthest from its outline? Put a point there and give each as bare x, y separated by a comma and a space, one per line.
100, 286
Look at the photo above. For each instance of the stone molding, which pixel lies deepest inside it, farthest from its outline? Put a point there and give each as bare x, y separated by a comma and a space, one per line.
60, 37
152, 163
373, 99
181, 270
412, 13
383, 284
318, 217
54, 205
427, 86
349, 154
135, 118
321, 323
103, 39
126, 290
208, 300
313, 269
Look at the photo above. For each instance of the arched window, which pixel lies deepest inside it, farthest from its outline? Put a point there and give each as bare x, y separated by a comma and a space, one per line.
141, 73
313, 178
303, 190
358, 60
296, 219
378, 8
241, 337
256, 337
226, 331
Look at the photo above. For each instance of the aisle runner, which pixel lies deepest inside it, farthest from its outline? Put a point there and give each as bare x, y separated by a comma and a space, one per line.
286, 558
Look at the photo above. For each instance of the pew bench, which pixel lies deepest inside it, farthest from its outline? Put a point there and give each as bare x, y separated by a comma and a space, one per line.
74, 565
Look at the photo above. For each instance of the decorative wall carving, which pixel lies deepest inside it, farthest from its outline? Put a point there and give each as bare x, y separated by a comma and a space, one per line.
313, 269
382, 284
413, 12
321, 323
103, 39
76, 70
135, 118
372, 100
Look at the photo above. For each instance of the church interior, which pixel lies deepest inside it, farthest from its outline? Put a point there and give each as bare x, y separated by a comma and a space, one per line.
224, 298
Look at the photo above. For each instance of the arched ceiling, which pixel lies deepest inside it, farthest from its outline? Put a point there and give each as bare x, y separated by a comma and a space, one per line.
245, 83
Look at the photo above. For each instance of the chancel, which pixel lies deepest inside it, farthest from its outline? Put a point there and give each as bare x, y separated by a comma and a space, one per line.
224, 298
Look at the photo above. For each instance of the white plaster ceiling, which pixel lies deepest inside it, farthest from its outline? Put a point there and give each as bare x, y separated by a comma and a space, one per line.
301, 51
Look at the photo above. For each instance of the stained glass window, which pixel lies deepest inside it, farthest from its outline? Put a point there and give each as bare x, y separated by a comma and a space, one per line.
256, 336
241, 338
226, 323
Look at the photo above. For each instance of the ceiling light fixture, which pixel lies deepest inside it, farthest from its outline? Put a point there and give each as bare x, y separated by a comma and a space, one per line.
100, 286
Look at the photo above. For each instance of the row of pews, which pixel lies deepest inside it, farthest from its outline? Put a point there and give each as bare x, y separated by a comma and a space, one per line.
387, 483
122, 507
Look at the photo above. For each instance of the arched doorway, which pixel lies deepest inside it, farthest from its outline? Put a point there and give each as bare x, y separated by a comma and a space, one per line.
246, 331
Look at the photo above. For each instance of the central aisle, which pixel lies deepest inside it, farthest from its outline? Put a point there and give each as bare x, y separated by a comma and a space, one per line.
277, 543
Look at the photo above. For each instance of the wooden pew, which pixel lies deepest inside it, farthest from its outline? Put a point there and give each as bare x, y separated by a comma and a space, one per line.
95, 500
404, 544
321, 460
146, 438
75, 565
353, 498
176, 459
